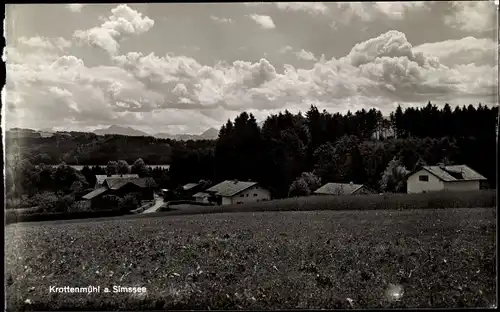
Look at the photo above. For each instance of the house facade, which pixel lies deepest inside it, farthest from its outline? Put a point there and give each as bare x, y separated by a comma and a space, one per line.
344, 189
239, 192
443, 178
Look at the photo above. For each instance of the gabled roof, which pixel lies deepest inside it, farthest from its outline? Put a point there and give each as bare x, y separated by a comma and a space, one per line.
201, 195
338, 188
453, 173
230, 188
102, 177
189, 186
95, 193
116, 183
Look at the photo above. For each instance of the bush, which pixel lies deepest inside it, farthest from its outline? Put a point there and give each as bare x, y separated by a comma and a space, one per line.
128, 203
80, 206
304, 185
434, 200
47, 201
111, 202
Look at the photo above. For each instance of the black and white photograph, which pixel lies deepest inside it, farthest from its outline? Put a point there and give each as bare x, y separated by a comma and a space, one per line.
250, 155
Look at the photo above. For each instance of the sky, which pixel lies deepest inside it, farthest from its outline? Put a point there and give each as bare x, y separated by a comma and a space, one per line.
186, 67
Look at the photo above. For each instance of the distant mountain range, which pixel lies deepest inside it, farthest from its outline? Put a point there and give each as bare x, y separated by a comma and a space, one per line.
210, 134
120, 130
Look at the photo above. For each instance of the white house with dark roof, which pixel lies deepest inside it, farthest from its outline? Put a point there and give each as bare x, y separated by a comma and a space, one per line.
443, 178
344, 189
238, 192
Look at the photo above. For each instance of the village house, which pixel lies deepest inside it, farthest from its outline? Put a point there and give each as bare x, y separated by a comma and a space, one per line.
344, 189
238, 192
201, 197
121, 186
100, 178
443, 178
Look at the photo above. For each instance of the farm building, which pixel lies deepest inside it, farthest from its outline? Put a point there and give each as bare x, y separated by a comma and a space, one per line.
237, 192
344, 189
120, 187
101, 177
201, 197
441, 178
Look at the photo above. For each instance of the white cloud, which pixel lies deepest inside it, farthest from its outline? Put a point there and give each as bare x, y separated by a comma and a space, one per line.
286, 49
75, 7
264, 21
464, 51
310, 7
44, 43
396, 10
369, 11
472, 16
146, 90
306, 55
123, 22
221, 20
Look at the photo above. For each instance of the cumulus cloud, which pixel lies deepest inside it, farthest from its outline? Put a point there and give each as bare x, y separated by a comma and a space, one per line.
75, 7
141, 90
367, 12
44, 43
472, 16
306, 55
221, 20
397, 10
263, 21
464, 51
309, 7
286, 49
122, 23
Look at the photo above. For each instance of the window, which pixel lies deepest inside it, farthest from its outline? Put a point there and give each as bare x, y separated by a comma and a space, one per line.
242, 195
246, 195
254, 195
423, 178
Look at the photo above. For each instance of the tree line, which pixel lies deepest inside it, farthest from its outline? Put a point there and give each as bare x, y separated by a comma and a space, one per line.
321, 146
291, 154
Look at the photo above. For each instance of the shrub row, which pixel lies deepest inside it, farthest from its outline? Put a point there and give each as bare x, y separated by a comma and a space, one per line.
434, 200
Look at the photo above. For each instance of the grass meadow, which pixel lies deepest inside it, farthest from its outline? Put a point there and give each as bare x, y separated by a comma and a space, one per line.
327, 258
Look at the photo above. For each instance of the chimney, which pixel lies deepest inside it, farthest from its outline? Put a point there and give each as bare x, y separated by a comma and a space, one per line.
235, 181
351, 183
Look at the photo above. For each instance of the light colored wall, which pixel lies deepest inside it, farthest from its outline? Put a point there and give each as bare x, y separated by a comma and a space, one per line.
248, 195
461, 186
227, 200
201, 199
416, 186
